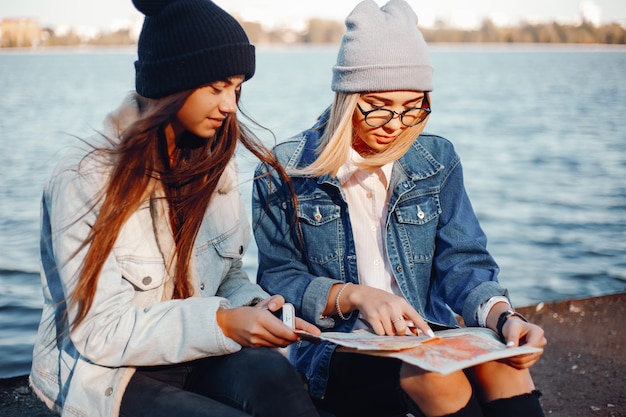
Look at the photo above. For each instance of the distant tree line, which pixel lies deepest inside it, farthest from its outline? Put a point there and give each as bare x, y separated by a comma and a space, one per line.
117, 38
584, 33
320, 31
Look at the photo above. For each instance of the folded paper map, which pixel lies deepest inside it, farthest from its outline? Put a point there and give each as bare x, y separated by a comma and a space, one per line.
449, 351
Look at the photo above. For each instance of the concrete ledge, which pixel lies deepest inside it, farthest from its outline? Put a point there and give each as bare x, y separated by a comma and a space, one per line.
581, 373
583, 369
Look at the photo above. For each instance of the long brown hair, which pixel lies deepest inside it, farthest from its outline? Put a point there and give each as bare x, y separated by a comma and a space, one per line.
140, 161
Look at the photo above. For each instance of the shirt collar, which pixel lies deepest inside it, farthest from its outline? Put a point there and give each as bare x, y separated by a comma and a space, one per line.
350, 167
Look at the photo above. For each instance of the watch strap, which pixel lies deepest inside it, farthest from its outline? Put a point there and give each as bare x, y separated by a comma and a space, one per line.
503, 318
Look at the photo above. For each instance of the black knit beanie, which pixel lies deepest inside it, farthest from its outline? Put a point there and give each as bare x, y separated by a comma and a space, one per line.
186, 44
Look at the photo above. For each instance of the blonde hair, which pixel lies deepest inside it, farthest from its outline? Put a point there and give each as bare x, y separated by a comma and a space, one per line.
338, 138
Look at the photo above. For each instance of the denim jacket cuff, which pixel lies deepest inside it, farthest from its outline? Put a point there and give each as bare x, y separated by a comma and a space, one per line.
315, 298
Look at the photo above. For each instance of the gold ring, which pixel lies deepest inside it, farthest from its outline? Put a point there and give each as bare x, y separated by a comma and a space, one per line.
397, 320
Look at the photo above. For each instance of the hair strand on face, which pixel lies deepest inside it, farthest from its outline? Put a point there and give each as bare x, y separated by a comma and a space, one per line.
339, 135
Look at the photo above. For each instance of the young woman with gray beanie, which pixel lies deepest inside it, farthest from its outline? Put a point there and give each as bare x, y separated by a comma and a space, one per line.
147, 310
382, 236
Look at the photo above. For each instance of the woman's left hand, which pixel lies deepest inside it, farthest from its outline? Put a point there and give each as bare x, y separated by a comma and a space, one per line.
517, 332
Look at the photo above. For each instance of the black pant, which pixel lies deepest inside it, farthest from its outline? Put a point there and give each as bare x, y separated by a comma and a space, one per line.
252, 382
369, 386
365, 386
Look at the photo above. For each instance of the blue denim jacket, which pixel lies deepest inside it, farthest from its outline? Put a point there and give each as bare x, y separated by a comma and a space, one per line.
435, 245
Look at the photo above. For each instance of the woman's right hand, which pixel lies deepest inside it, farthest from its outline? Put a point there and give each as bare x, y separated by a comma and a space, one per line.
257, 326
386, 313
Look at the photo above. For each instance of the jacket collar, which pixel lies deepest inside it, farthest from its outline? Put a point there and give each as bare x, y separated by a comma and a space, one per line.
420, 163
121, 118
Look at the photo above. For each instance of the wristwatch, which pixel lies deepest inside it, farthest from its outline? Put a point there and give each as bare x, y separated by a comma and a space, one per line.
504, 317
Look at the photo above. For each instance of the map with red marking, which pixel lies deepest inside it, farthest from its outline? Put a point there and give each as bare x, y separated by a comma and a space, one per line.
449, 351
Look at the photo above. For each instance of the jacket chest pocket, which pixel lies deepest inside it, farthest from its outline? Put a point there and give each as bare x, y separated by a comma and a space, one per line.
232, 244
322, 230
215, 257
144, 274
419, 210
417, 226
223, 238
137, 252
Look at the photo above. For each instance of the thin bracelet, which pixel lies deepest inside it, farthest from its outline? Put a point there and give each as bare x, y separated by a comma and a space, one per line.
485, 308
339, 313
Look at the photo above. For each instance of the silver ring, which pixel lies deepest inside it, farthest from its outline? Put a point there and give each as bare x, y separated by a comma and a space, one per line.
397, 320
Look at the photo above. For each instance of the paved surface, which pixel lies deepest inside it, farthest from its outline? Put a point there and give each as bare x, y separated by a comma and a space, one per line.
582, 372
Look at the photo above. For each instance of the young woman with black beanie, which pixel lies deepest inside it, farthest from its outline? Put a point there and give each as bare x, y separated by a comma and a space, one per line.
148, 311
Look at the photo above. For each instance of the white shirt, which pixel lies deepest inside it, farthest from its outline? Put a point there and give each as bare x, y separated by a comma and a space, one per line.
366, 192
366, 195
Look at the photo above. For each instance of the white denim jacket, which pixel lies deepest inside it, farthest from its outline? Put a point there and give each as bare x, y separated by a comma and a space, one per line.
133, 320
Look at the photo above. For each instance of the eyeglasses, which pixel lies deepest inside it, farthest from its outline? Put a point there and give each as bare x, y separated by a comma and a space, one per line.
378, 117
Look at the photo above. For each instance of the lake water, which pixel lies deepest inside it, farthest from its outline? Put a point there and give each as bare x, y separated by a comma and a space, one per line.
541, 132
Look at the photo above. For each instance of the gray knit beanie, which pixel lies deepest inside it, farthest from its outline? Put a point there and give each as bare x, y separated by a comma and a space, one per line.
382, 50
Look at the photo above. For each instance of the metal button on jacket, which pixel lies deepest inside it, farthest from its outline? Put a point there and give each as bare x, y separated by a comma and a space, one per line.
146, 280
